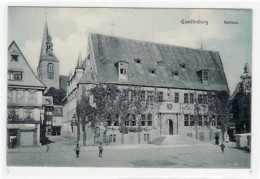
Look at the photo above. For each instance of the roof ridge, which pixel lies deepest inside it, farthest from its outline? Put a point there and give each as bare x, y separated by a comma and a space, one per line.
157, 43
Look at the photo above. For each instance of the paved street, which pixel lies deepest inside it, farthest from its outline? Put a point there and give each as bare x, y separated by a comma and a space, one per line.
61, 153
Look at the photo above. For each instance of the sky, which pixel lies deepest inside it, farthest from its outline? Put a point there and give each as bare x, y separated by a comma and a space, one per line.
69, 28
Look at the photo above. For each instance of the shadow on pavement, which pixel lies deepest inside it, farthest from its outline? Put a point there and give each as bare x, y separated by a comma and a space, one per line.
245, 149
46, 141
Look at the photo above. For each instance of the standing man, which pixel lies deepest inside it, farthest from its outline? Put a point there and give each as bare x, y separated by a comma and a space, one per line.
100, 150
222, 146
77, 149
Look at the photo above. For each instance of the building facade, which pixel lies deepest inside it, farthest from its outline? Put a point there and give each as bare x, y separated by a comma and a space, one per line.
240, 103
48, 67
178, 76
24, 101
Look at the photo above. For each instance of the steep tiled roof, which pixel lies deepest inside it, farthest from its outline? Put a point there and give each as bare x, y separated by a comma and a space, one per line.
29, 79
110, 50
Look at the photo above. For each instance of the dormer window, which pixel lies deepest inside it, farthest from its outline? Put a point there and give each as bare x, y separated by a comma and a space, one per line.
137, 60
152, 71
160, 63
205, 75
14, 56
122, 68
123, 71
183, 65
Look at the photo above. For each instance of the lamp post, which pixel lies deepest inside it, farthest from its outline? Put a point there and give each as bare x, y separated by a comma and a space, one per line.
73, 122
76, 121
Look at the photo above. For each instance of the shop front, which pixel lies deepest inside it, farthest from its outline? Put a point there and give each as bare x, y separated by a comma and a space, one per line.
22, 135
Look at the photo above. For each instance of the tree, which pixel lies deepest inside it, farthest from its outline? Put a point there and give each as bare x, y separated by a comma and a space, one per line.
113, 103
218, 106
57, 94
85, 113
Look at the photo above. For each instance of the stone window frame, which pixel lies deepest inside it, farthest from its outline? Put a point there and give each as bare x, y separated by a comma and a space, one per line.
186, 98
160, 96
50, 70
176, 97
186, 120
149, 119
143, 120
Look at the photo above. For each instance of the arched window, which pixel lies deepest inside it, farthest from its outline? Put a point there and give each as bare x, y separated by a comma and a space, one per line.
50, 71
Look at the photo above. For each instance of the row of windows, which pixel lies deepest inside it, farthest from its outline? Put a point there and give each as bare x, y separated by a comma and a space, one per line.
189, 120
130, 120
15, 75
148, 96
189, 98
19, 95
23, 115
123, 71
112, 138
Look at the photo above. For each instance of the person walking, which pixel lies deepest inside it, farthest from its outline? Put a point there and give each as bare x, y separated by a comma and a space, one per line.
222, 146
77, 149
100, 150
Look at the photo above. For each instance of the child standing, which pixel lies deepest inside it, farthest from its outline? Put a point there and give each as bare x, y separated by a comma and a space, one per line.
100, 150
77, 149
222, 146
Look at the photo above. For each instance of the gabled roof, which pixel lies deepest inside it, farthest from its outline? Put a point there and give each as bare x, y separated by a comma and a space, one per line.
47, 55
108, 50
29, 79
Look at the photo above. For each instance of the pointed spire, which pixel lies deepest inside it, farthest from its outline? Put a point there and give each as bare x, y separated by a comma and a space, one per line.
246, 68
47, 46
70, 75
79, 63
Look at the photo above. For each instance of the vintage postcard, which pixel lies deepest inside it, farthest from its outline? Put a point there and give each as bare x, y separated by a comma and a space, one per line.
129, 87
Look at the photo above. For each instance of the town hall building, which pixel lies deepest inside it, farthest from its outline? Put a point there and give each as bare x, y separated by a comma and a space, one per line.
179, 75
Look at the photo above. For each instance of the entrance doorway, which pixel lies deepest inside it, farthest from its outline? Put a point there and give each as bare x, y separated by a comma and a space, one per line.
170, 127
12, 138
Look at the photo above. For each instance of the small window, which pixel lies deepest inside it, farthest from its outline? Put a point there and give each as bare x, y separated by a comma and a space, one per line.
183, 65
186, 98
175, 73
50, 71
149, 120
160, 63
205, 75
160, 97
150, 97
192, 120
143, 120
123, 71
127, 122
200, 120
15, 75
191, 98
152, 71
133, 122
186, 120
137, 60
15, 58
176, 98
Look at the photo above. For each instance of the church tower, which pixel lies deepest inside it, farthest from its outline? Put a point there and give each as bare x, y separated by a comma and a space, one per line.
48, 67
